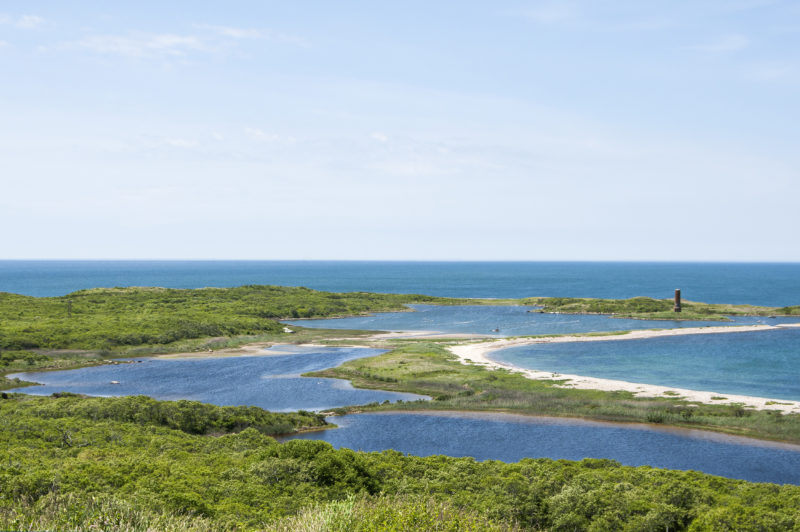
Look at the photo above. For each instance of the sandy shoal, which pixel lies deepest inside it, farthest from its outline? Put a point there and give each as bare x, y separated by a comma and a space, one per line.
477, 353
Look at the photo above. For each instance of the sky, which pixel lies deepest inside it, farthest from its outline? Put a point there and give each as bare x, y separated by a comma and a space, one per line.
416, 130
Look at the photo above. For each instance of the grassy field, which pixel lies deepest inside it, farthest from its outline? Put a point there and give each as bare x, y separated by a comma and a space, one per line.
428, 368
71, 463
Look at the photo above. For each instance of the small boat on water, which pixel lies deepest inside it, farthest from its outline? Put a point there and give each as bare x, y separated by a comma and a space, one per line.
114, 382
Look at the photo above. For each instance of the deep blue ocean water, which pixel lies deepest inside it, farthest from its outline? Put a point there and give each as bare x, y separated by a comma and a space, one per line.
775, 284
270, 382
511, 321
512, 437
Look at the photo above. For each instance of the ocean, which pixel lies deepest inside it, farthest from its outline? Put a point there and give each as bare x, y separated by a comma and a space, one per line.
771, 284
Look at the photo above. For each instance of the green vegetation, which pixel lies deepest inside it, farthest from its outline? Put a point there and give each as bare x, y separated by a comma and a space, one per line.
63, 469
428, 368
116, 319
364, 513
134, 463
654, 309
191, 417
144, 320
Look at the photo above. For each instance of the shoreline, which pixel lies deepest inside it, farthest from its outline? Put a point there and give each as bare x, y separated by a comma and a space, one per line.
691, 432
478, 354
259, 349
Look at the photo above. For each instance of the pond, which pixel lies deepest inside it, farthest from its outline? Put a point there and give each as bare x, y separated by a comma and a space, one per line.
508, 437
272, 382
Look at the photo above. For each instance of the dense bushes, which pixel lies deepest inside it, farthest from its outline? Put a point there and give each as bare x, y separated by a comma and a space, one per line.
188, 416
20, 359
62, 469
117, 318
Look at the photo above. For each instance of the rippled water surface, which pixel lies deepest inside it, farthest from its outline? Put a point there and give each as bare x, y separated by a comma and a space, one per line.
511, 320
271, 382
511, 438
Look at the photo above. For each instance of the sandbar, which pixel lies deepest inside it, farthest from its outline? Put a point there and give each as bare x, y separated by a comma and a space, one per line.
477, 353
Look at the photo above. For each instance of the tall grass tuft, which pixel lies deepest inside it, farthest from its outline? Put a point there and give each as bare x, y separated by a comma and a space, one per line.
363, 514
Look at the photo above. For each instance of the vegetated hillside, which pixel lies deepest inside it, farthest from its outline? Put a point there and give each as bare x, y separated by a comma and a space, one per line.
646, 307
63, 467
116, 318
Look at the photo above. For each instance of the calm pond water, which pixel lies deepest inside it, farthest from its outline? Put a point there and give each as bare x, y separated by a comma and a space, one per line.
270, 382
511, 438
511, 320
775, 284
762, 363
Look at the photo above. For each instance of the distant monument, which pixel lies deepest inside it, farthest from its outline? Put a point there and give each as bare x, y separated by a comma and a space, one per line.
677, 300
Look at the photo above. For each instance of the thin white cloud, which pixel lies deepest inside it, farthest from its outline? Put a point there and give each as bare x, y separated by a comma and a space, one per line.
29, 22
725, 44
380, 137
23, 22
140, 44
3, 44
143, 45
230, 31
233, 32
260, 135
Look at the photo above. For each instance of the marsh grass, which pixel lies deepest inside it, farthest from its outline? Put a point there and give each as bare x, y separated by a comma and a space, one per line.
428, 368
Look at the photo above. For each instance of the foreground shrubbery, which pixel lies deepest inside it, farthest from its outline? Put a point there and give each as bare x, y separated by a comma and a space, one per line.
68, 472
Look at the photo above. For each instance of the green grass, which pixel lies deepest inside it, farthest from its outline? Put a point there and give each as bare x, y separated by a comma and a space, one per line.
655, 309
428, 368
63, 469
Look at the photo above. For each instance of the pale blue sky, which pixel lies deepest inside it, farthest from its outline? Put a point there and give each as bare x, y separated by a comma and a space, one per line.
576, 130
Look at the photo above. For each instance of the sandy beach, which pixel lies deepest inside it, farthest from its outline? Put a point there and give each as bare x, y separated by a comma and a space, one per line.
478, 353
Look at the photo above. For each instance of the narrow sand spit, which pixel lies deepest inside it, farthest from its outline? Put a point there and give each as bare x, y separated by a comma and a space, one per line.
477, 353
261, 349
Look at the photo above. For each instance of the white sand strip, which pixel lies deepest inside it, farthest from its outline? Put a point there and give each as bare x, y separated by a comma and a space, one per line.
477, 353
